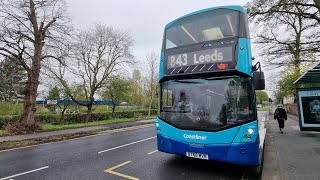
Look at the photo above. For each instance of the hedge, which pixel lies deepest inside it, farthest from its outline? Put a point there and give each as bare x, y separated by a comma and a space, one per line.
4, 120
78, 118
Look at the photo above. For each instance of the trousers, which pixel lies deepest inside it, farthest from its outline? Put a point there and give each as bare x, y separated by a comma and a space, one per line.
281, 122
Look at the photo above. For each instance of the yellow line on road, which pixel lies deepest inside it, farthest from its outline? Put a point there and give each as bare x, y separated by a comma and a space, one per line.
153, 152
110, 170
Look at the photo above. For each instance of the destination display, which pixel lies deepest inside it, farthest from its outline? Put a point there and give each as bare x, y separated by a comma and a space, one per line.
207, 60
223, 54
309, 108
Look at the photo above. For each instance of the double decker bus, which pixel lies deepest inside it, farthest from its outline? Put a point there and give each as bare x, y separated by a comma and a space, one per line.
207, 105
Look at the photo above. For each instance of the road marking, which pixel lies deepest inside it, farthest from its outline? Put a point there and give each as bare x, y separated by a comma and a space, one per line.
125, 129
110, 170
99, 134
153, 152
126, 145
16, 175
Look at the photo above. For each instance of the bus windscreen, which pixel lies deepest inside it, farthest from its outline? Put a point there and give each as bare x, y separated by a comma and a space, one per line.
207, 104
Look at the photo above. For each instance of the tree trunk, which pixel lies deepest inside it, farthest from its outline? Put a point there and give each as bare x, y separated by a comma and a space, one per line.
89, 112
151, 91
297, 54
61, 121
113, 109
149, 112
29, 106
317, 3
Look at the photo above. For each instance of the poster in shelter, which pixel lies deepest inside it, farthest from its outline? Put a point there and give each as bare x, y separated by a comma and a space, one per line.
309, 108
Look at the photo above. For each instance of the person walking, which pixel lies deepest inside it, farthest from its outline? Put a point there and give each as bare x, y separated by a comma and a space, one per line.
280, 114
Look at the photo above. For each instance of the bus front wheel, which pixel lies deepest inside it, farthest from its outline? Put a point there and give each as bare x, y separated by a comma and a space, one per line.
256, 171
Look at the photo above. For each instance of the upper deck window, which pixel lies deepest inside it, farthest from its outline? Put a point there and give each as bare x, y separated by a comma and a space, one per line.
207, 26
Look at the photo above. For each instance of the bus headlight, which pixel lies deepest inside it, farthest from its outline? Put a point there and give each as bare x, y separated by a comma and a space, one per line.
249, 134
157, 126
250, 131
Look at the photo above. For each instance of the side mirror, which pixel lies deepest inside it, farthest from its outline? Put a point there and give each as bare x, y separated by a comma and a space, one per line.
257, 66
258, 80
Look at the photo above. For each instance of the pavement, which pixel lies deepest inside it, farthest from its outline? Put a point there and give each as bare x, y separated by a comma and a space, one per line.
73, 131
293, 155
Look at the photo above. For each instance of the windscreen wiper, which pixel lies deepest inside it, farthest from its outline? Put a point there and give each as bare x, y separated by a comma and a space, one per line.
187, 82
221, 41
219, 78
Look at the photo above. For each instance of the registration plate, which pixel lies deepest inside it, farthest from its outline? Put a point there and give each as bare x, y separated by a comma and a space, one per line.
197, 155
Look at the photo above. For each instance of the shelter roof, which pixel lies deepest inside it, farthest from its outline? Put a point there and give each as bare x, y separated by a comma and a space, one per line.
311, 76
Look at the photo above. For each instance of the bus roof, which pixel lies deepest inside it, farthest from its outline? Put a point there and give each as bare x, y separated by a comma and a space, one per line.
235, 7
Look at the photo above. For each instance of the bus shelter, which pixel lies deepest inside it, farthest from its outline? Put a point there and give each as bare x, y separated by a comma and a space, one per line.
309, 100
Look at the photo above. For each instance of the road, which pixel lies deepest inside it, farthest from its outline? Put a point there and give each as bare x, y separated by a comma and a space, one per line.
119, 154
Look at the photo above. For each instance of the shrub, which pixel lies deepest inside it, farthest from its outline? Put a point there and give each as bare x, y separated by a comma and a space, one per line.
17, 128
77, 118
44, 110
10, 108
47, 118
4, 120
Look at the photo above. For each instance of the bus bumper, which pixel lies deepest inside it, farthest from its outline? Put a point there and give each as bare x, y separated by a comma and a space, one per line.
236, 153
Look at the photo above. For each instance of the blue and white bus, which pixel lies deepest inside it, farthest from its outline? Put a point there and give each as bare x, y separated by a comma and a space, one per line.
207, 105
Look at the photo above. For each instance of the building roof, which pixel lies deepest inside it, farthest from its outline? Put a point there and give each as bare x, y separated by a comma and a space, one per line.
311, 76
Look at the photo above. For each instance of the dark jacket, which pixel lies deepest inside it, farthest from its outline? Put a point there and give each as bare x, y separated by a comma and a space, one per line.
280, 114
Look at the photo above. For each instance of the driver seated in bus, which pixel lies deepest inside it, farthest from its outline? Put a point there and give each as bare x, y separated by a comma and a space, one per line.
184, 101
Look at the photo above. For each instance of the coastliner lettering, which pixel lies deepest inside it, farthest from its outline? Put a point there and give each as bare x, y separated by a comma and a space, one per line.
313, 93
196, 136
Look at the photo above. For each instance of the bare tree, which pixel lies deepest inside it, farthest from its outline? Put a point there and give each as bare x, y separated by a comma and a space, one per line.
136, 93
285, 36
152, 78
29, 32
268, 8
97, 54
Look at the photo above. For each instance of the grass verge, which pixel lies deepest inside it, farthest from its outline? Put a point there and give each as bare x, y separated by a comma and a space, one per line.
263, 109
51, 127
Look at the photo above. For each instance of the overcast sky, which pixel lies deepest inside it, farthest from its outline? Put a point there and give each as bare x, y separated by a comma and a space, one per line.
143, 19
